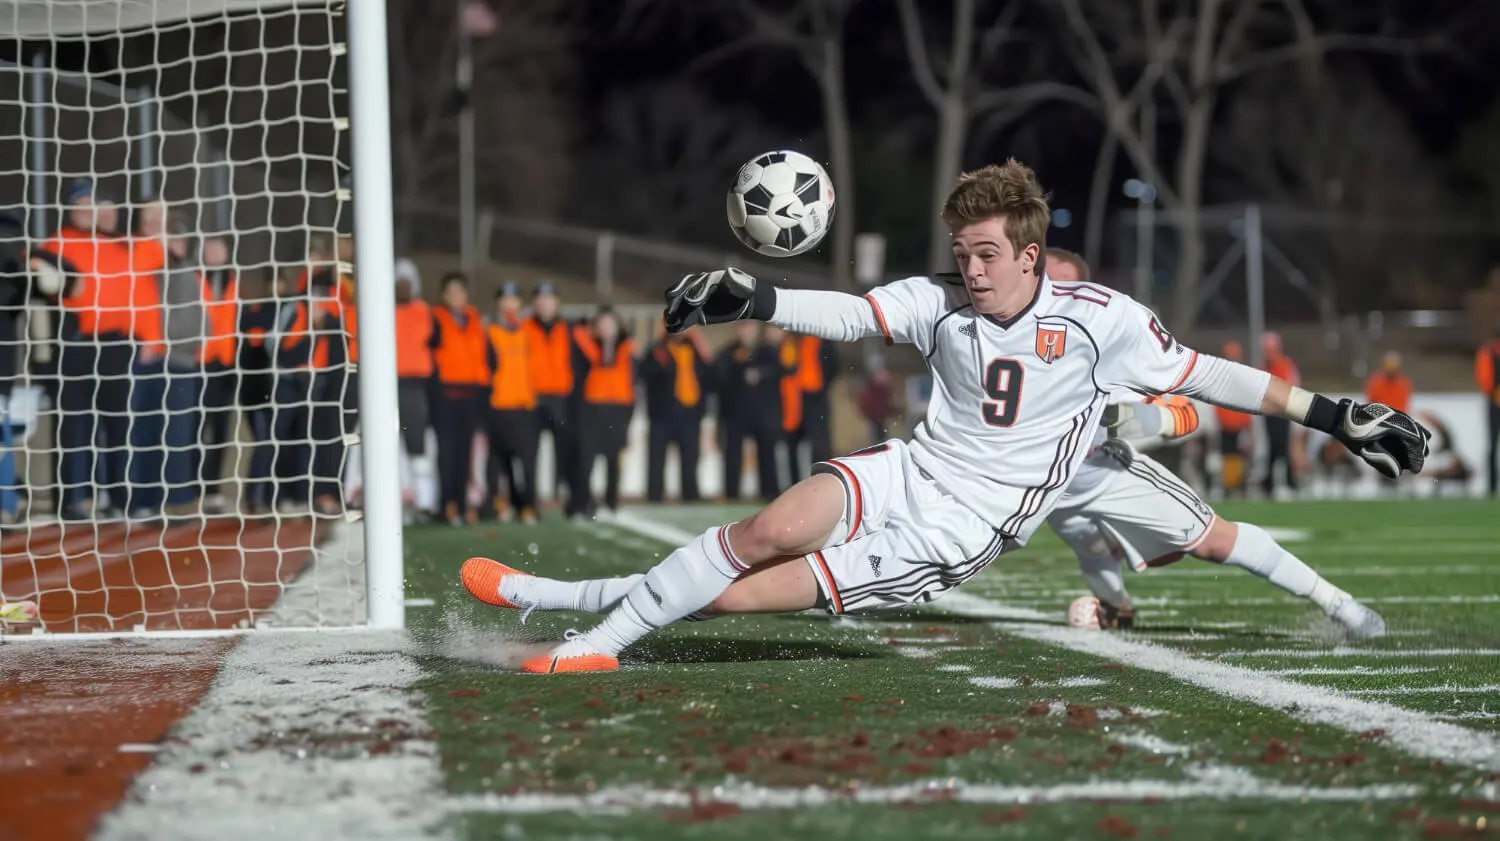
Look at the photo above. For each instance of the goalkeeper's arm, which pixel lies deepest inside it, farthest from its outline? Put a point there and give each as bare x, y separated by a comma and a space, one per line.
730, 294
1388, 440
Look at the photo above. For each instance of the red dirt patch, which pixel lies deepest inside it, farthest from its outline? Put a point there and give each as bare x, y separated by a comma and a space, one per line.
1011, 815
62, 731
1115, 826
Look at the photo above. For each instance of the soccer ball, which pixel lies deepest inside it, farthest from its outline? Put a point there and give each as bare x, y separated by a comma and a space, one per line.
1083, 613
780, 204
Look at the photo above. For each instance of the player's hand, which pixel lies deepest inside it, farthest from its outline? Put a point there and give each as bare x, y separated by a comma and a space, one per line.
1387, 440
709, 298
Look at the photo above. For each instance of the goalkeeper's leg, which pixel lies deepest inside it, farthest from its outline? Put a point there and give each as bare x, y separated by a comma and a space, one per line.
695, 576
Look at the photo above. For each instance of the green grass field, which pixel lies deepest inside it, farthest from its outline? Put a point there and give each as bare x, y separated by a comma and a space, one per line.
1230, 711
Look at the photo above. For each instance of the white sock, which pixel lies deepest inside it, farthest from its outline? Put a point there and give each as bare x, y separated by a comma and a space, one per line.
1258, 553
1103, 573
685, 582
596, 595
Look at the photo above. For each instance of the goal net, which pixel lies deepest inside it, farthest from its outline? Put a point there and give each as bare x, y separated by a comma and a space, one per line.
178, 356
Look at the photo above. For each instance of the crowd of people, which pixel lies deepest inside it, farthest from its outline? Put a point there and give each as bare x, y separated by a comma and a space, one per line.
148, 344
522, 369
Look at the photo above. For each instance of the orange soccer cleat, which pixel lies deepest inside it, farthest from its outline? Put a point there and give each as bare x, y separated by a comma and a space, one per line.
575, 655
482, 577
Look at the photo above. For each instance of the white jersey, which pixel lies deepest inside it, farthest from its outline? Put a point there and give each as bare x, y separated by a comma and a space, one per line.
1015, 404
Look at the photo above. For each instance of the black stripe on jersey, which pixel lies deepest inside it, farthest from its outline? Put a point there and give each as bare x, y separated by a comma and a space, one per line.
1180, 494
939, 323
1057, 474
907, 587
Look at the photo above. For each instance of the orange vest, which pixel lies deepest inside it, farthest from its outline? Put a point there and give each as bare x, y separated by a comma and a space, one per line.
611, 384
551, 357
510, 386
1487, 370
223, 316
810, 364
414, 339
460, 357
1232, 421
791, 387
106, 295
1394, 391
1285, 368
685, 385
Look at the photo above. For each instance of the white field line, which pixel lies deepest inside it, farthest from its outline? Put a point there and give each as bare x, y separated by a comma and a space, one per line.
1444, 689
1012, 683
1369, 671
1416, 733
1476, 716
288, 742
1350, 651
1153, 744
1223, 786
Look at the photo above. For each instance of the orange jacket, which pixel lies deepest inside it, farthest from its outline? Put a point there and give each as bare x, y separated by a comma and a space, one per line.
223, 315
1393, 390
791, 385
810, 374
115, 290
1283, 367
551, 356
414, 326
1232, 421
608, 382
1487, 370
459, 351
509, 358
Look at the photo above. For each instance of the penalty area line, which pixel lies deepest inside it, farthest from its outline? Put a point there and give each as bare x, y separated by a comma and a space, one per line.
1413, 732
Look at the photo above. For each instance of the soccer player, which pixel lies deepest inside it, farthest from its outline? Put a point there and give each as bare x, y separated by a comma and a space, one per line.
1123, 504
1021, 368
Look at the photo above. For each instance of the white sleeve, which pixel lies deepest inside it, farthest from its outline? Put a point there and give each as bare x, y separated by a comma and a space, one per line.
1137, 353
907, 309
1228, 384
836, 316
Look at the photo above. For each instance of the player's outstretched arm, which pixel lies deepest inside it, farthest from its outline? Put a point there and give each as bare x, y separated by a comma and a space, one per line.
903, 311
1390, 441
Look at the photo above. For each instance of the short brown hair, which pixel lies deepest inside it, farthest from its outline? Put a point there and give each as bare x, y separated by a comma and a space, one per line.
1072, 258
1009, 191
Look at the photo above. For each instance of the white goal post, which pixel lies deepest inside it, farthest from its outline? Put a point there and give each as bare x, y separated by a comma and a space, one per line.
176, 431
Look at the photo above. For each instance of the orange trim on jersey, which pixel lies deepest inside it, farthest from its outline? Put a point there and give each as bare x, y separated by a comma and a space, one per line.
857, 497
729, 555
833, 589
1200, 538
885, 329
1192, 362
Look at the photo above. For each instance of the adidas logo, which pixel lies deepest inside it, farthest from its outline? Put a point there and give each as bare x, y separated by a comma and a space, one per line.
875, 564
654, 597
967, 328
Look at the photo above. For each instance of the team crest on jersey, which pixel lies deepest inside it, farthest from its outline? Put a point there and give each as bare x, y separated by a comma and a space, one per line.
1050, 343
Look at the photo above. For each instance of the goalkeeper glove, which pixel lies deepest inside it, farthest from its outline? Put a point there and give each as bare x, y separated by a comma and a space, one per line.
1387, 440
717, 297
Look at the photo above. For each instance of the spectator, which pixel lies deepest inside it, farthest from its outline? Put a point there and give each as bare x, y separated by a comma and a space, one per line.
1234, 437
1389, 385
258, 324
334, 398
95, 357
512, 424
879, 403
551, 348
461, 360
817, 366
1487, 377
24, 275
677, 373
221, 376
414, 369
790, 404
149, 375
605, 365
1283, 447
747, 373
292, 344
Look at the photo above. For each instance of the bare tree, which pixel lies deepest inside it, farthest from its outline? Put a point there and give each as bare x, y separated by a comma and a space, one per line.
954, 85
1201, 48
678, 146
813, 30
1358, 209
519, 95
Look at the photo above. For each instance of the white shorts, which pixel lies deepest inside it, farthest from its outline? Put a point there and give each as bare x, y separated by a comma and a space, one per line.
1145, 510
902, 540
